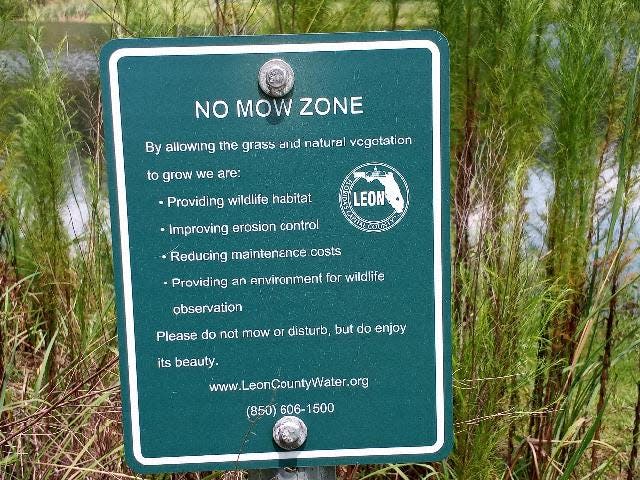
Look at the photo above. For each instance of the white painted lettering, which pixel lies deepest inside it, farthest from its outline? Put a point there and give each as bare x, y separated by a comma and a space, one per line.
307, 101
225, 109
202, 110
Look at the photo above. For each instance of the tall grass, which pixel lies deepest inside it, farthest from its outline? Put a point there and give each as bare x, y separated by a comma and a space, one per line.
533, 69
542, 332
58, 396
38, 163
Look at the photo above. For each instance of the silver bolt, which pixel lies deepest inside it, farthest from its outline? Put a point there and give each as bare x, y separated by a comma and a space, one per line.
289, 432
276, 78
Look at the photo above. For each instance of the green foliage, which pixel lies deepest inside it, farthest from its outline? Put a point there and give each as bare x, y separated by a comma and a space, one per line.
147, 18
524, 69
299, 16
10, 9
38, 169
63, 10
57, 328
579, 86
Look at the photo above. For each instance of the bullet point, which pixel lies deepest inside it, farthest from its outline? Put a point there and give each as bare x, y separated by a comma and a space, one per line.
166, 283
161, 202
162, 229
164, 256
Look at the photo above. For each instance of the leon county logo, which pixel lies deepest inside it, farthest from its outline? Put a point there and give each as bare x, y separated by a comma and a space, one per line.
374, 197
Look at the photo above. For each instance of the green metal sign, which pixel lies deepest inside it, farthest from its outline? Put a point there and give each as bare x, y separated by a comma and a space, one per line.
281, 254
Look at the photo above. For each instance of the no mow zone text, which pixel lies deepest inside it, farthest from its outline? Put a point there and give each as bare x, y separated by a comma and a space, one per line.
305, 106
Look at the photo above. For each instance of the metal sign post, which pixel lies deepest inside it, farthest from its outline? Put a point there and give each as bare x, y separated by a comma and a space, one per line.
302, 473
280, 219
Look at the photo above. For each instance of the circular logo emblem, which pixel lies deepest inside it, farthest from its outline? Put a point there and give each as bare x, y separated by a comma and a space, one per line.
374, 197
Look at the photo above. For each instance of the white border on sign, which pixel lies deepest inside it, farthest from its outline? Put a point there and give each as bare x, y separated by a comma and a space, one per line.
126, 260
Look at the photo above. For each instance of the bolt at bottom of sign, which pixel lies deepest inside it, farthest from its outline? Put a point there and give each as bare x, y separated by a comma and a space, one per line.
289, 432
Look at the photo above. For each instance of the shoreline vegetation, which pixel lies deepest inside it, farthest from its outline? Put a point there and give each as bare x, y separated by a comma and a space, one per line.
546, 337
266, 16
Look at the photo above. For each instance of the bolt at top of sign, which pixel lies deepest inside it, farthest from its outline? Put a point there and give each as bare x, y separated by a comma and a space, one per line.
276, 78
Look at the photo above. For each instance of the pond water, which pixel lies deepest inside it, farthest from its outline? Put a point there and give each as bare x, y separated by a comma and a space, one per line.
76, 46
